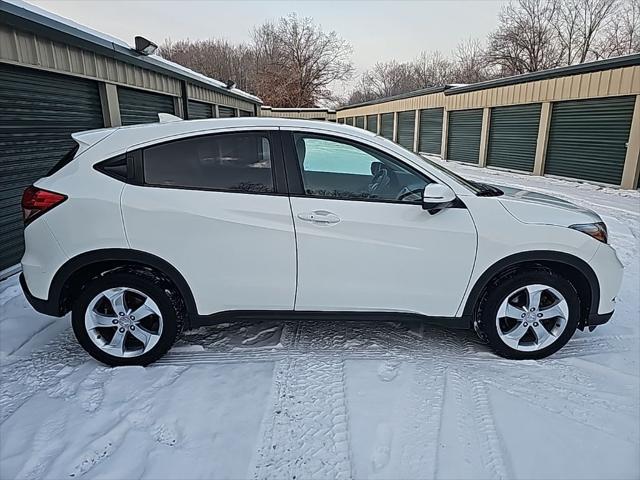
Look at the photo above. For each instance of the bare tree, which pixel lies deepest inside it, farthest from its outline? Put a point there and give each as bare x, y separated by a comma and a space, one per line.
432, 69
621, 35
471, 63
593, 15
525, 40
297, 62
215, 58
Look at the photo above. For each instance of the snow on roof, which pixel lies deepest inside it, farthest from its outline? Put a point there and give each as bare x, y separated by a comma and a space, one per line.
116, 41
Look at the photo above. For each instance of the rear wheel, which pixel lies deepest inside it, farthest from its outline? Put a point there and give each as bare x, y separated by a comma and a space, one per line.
529, 314
127, 318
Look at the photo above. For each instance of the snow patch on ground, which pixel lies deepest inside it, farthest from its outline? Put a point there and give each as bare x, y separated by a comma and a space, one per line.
284, 399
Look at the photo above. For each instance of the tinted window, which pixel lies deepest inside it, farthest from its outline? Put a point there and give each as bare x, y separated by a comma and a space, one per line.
238, 162
115, 167
336, 169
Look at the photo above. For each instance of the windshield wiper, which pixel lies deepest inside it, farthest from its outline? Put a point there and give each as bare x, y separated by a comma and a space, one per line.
485, 190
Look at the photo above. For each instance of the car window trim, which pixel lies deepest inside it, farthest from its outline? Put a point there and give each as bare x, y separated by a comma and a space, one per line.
294, 173
278, 174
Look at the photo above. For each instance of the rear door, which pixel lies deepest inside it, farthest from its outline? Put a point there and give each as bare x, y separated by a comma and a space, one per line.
215, 207
364, 241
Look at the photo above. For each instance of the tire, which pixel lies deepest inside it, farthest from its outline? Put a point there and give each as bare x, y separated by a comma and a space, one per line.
516, 290
159, 324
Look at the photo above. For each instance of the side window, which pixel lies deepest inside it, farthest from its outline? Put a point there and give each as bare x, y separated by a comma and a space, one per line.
334, 169
235, 162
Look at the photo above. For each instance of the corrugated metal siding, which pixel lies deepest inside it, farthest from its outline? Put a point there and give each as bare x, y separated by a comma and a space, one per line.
513, 136
464, 135
29, 49
196, 92
349, 120
360, 122
406, 128
372, 123
386, 125
137, 106
587, 139
200, 110
430, 140
226, 112
38, 113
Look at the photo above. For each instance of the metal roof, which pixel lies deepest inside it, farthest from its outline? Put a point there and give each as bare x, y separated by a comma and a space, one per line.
599, 65
415, 93
23, 15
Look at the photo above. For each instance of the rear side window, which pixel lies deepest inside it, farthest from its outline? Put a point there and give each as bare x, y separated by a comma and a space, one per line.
66, 159
235, 162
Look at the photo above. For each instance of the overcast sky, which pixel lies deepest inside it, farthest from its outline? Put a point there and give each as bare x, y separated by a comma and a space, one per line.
377, 30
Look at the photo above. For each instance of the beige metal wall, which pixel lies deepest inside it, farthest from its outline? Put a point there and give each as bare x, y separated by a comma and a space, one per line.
27, 49
606, 83
306, 114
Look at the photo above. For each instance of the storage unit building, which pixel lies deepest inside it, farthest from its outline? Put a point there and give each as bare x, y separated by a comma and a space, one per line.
360, 121
57, 78
580, 121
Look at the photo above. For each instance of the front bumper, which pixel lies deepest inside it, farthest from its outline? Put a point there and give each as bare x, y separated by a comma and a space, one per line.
42, 306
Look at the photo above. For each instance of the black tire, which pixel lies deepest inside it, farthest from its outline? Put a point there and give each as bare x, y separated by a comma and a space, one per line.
156, 288
502, 287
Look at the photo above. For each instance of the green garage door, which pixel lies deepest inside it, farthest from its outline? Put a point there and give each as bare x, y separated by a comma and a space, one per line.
349, 120
464, 135
513, 136
226, 112
587, 139
245, 113
406, 128
38, 113
386, 125
372, 123
360, 122
430, 140
200, 110
341, 120
137, 106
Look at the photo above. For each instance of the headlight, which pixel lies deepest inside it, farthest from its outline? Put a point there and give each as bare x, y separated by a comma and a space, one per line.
596, 230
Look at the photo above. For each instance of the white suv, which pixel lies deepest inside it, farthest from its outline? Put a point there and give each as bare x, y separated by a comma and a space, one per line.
142, 231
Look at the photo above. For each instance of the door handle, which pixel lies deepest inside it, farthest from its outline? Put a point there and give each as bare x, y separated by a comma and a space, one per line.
319, 216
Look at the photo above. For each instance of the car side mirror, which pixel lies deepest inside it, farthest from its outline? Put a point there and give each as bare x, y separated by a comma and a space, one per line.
436, 197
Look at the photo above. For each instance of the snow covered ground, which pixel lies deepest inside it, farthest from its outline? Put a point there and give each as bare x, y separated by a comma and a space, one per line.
304, 400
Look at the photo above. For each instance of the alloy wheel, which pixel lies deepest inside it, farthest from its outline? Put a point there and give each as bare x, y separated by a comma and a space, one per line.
532, 317
123, 322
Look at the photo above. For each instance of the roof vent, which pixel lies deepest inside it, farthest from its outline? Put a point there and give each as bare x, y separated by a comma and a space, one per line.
168, 118
144, 46
231, 84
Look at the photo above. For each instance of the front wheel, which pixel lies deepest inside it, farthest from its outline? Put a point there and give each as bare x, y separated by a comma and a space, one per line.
127, 318
529, 314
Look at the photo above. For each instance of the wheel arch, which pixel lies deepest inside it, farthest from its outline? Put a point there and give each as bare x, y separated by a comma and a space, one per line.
569, 266
84, 266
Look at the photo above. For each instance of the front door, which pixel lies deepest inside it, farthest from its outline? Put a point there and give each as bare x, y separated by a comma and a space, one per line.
364, 241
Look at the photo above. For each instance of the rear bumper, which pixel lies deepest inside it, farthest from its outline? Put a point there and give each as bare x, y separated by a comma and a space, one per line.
42, 306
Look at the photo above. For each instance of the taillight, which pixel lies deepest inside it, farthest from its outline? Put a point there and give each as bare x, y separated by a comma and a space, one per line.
36, 201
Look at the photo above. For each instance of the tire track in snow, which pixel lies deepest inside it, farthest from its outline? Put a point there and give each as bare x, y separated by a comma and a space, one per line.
421, 432
305, 433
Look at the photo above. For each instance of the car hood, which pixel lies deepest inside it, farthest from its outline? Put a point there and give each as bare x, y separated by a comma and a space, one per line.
532, 207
